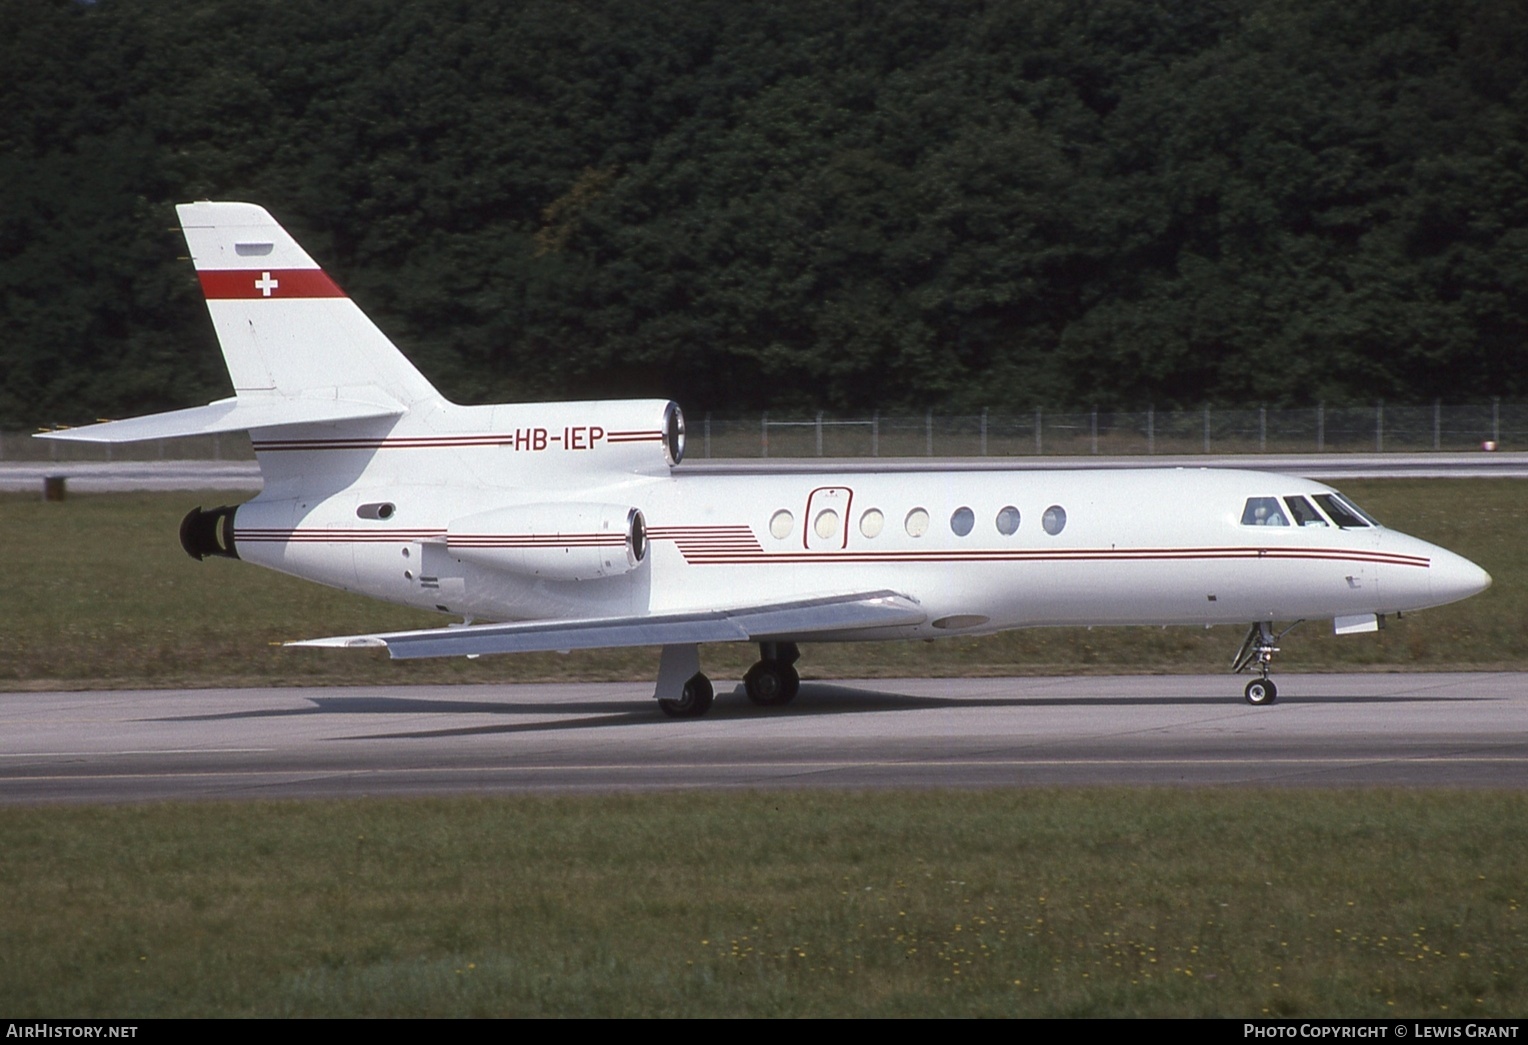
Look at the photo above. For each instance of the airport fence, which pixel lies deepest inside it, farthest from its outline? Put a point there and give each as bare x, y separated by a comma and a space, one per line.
1038, 432
1041, 432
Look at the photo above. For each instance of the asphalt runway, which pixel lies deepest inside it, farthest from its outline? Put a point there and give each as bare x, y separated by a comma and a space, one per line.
1416, 730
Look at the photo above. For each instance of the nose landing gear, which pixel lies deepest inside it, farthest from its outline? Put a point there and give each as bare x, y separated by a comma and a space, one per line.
1257, 650
1261, 691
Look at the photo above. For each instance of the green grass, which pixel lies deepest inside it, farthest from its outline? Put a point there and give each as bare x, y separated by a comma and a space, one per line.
1013, 903
99, 593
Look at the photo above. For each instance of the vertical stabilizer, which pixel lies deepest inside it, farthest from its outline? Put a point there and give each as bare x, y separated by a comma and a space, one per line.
286, 329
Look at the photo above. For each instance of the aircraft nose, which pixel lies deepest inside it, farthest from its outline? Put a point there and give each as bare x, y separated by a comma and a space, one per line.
1453, 577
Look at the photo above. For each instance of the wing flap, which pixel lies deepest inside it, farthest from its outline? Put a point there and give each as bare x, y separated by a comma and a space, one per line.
820, 617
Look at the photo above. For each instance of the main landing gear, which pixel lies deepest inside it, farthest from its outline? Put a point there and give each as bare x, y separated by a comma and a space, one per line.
679, 674
694, 698
773, 681
1257, 650
683, 692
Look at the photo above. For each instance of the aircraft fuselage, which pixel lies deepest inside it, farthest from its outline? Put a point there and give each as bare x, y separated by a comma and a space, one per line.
974, 548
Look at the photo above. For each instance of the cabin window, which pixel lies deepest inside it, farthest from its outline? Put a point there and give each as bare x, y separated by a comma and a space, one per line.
917, 522
872, 522
962, 521
1263, 511
1342, 512
826, 523
1303, 514
1008, 521
1054, 519
781, 524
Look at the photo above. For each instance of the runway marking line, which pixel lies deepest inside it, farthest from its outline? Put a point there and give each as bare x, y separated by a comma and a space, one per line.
781, 766
146, 751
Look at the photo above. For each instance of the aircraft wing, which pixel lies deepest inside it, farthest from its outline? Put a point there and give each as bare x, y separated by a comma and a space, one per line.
238, 414
801, 619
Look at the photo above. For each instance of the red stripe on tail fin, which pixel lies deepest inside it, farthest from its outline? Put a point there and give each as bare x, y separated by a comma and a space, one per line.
278, 283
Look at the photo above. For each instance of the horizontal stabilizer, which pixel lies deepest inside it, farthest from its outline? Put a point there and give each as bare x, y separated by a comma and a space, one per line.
232, 415
788, 620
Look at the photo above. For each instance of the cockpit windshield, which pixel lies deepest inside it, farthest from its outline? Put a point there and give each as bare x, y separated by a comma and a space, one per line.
1303, 514
1296, 510
1344, 512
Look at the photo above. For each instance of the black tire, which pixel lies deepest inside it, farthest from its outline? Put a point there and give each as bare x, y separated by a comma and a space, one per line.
771, 684
693, 702
792, 684
1261, 692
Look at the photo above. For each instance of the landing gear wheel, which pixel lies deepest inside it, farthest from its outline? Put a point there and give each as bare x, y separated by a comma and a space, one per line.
1261, 692
771, 683
693, 702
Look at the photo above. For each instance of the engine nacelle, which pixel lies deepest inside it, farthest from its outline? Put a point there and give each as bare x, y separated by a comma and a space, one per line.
644, 436
564, 542
205, 532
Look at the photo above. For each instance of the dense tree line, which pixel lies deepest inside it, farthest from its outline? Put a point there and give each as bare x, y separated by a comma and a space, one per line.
788, 205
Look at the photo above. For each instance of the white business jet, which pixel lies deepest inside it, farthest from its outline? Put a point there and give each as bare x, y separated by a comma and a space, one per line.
559, 526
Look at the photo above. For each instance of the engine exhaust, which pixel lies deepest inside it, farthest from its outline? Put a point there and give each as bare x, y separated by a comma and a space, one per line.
210, 532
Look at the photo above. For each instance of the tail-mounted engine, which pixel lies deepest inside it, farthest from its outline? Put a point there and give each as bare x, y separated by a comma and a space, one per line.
645, 436
673, 434
204, 533
565, 542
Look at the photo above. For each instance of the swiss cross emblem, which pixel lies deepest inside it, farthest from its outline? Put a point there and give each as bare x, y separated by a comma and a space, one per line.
265, 284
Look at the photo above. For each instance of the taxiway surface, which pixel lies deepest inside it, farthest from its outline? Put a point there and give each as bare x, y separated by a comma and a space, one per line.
1452, 730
